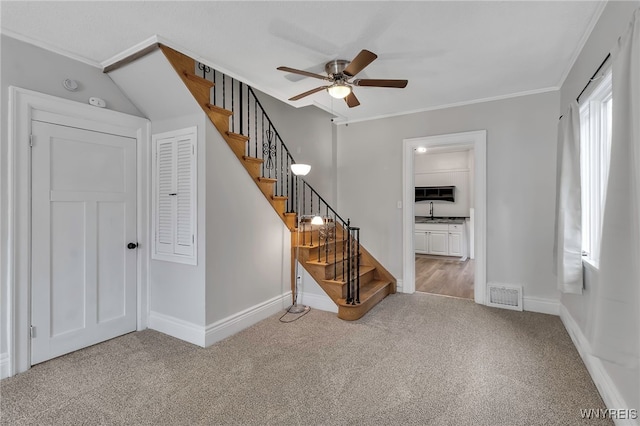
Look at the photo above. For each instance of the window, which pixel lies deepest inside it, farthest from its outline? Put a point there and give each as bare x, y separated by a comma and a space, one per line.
595, 140
174, 196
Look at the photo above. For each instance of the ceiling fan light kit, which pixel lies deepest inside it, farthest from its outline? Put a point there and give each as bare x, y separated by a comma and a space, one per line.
339, 90
339, 71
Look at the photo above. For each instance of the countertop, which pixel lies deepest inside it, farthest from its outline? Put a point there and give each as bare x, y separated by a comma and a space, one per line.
436, 219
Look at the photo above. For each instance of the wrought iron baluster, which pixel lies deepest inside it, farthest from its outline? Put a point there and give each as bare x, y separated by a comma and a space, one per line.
349, 294
240, 84
205, 69
357, 265
269, 150
214, 87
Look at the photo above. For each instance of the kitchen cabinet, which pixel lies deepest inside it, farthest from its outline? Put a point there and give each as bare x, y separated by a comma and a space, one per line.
455, 244
439, 243
439, 239
431, 239
420, 242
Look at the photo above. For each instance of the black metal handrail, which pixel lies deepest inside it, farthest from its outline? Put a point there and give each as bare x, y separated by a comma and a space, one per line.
250, 119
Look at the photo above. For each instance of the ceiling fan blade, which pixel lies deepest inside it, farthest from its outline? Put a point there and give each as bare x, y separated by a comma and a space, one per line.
401, 84
307, 93
359, 63
351, 100
301, 72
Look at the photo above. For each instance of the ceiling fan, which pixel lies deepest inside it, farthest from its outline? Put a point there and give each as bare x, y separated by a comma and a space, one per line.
339, 72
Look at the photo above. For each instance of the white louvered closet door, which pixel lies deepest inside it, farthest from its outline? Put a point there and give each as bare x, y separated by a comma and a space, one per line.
175, 196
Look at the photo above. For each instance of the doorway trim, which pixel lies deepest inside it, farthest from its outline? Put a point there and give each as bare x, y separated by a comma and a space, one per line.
23, 106
478, 139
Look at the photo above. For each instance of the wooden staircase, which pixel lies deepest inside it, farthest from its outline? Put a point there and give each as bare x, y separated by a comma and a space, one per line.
324, 260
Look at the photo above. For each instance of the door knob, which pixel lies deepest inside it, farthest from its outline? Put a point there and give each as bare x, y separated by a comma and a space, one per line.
131, 246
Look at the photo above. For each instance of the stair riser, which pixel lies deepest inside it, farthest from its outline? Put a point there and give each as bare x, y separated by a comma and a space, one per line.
354, 312
329, 248
364, 279
237, 146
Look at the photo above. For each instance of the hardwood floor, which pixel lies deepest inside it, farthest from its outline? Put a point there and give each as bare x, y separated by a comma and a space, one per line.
447, 276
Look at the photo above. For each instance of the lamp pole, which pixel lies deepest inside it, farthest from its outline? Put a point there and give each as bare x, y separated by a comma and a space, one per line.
298, 170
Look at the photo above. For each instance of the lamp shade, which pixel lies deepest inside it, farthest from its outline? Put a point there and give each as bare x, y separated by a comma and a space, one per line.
300, 169
317, 220
339, 91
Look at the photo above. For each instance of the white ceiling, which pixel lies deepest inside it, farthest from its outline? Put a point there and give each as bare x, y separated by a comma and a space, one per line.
451, 52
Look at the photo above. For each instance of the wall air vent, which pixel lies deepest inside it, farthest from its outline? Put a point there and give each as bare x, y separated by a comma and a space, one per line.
504, 296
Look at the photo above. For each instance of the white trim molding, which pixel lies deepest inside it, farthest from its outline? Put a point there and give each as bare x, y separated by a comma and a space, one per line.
4, 365
321, 302
477, 140
23, 106
205, 336
541, 305
608, 390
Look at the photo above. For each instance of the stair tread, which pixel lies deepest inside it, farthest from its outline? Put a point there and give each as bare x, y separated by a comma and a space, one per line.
198, 79
267, 180
364, 269
333, 258
316, 244
366, 291
252, 159
237, 136
220, 110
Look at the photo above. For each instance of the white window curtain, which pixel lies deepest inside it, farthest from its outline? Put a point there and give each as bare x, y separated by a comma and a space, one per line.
567, 249
617, 322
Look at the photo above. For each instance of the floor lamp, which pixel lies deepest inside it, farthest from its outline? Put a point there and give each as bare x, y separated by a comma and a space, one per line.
298, 170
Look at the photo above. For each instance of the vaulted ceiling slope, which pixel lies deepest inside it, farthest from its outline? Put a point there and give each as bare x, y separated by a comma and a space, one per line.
451, 52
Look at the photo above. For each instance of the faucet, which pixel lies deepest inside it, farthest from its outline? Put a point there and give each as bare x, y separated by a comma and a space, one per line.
431, 209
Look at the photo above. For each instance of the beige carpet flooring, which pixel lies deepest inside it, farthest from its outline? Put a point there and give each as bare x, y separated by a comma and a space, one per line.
413, 360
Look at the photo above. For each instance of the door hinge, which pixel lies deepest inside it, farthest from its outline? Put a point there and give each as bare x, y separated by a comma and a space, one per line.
30, 140
32, 332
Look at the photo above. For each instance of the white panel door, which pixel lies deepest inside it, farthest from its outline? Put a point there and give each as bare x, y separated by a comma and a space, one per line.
83, 276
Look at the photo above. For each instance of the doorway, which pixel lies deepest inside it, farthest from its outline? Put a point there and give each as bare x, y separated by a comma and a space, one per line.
443, 212
476, 238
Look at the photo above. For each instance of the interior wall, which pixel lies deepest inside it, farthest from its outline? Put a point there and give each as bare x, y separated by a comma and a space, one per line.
443, 169
521, 151
611, 25
29, 67
248, 246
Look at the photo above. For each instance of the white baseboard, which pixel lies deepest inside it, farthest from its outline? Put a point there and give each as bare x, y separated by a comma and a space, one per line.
4, 365
540, 305
175, 327
322, 302
608, 390
237, 322
212, 333
399, 286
